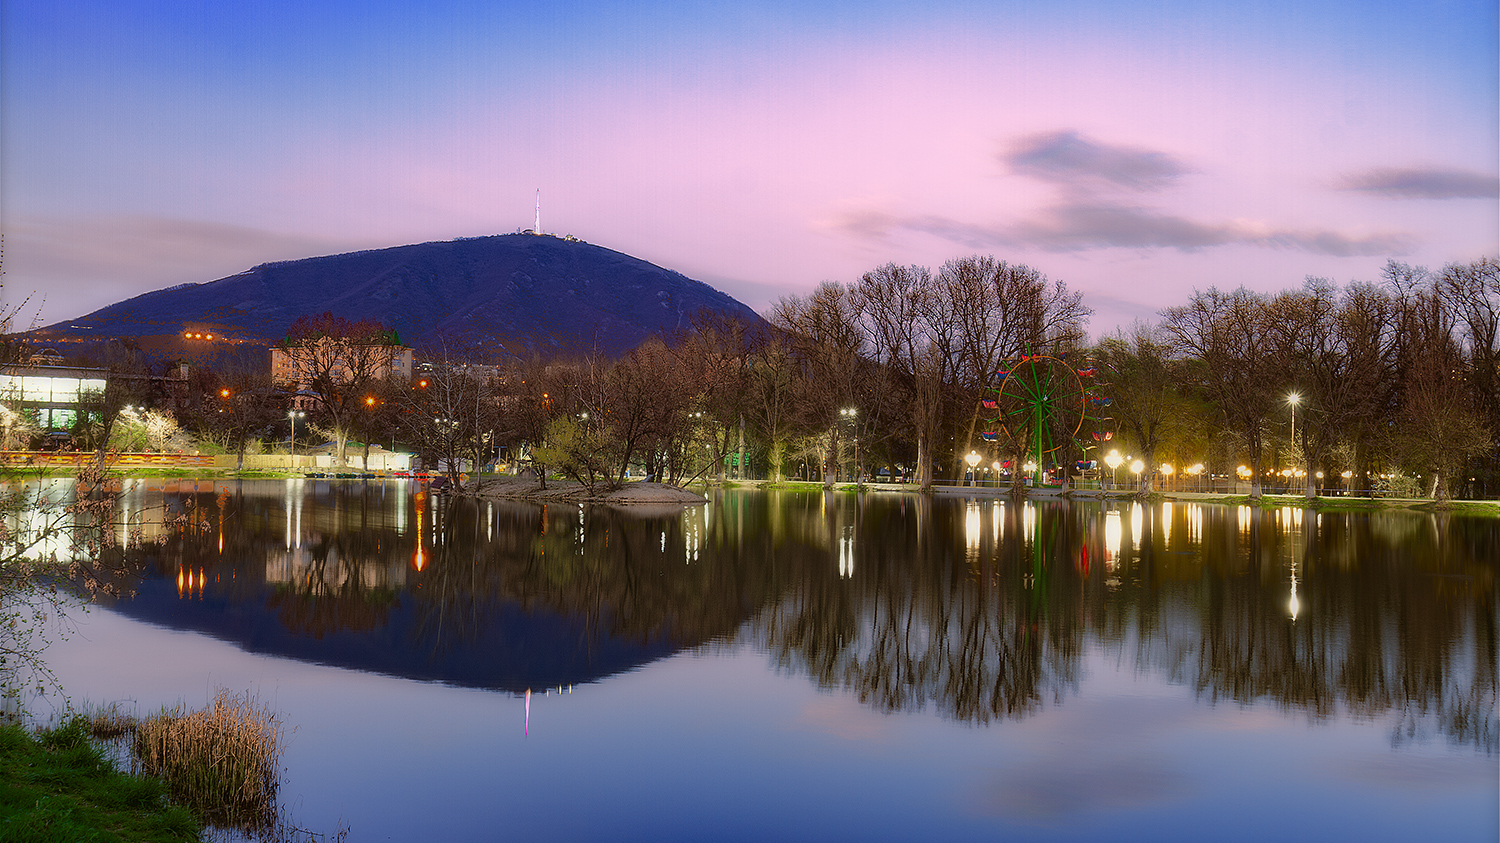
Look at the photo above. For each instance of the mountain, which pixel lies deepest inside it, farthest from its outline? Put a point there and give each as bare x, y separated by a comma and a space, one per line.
521, 292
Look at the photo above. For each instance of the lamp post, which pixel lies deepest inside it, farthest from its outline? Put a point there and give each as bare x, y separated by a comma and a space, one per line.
849, 414
1196, 471
1294, 399
292, 447
1113, 460
973, 460
1137, 466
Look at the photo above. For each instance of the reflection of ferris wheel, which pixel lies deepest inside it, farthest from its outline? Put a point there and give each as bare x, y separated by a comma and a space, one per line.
1042, 403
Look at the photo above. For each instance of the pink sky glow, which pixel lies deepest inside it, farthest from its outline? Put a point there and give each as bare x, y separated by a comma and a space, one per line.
1135, 155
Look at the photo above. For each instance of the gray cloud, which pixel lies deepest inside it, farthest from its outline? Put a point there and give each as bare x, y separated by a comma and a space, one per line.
1081, 226
1069, 159
80, 264
1091, 213
1423, 183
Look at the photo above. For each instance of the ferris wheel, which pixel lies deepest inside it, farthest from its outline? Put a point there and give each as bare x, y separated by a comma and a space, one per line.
1041, 403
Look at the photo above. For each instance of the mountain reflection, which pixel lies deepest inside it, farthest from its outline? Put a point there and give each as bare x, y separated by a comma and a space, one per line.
981, 610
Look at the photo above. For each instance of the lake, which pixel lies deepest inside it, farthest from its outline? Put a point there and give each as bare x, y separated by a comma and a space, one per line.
809, 666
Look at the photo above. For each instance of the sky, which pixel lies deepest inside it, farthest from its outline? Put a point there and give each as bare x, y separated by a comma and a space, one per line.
1135, 151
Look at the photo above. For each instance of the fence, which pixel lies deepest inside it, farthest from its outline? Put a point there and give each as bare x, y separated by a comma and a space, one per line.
76, 458
379, 461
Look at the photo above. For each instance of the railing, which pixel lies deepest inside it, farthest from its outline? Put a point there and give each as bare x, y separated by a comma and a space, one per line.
76, 458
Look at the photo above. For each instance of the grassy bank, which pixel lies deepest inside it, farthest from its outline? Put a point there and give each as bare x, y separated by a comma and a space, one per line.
57, 785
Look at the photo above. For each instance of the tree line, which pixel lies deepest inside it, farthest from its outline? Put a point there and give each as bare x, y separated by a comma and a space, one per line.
1391, 382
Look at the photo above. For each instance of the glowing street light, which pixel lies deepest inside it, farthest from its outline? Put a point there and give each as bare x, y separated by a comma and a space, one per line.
1137, 466
1113, 460
294, 415
849, 414
973, 460
1195, 471
1294, 399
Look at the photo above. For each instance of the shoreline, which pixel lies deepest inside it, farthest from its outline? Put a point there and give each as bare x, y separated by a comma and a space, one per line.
505, 487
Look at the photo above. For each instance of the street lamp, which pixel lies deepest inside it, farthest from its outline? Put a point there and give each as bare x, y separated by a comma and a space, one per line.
1113, 460
1137, 466
1166, 474
1294, 399
1196, 470
294, 415
973, 460
849, 414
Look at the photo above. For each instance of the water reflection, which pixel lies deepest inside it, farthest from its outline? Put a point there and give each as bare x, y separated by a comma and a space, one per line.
981, 610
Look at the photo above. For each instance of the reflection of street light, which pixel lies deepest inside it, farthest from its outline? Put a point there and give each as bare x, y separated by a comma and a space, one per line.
1294, 605
1113, 460
973, 460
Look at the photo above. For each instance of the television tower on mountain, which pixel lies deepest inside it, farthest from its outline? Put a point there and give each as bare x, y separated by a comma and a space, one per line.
538, 226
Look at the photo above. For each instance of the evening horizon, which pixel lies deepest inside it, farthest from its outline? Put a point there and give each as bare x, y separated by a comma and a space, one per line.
1136, 157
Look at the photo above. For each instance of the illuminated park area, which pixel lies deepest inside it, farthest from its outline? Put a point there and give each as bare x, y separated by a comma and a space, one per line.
809, 665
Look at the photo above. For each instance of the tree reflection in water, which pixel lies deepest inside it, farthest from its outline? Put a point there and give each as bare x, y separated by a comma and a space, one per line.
982, 610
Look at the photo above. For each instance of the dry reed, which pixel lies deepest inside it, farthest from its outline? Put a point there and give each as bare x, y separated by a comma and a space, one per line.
110, 724
221, 761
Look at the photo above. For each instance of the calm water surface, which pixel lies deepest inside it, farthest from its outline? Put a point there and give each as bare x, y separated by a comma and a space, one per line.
803, 666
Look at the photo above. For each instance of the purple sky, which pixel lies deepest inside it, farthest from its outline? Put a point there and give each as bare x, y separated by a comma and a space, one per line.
1135, 151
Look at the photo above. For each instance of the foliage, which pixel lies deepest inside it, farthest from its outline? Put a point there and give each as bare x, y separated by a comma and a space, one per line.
581, 451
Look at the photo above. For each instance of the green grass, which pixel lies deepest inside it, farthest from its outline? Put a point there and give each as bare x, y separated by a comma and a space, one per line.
57, 785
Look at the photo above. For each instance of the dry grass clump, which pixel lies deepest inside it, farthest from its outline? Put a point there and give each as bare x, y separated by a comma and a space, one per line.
221, 761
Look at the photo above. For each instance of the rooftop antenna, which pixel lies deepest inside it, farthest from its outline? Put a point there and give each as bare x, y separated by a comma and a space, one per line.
538, 227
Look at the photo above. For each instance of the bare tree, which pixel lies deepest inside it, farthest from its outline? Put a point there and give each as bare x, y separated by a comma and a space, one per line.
1228, 333
1471, 292
1146, 382
339, 362
828, 341
1437, 429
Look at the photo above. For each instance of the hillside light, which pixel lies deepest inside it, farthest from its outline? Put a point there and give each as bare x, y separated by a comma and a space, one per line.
224, 393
